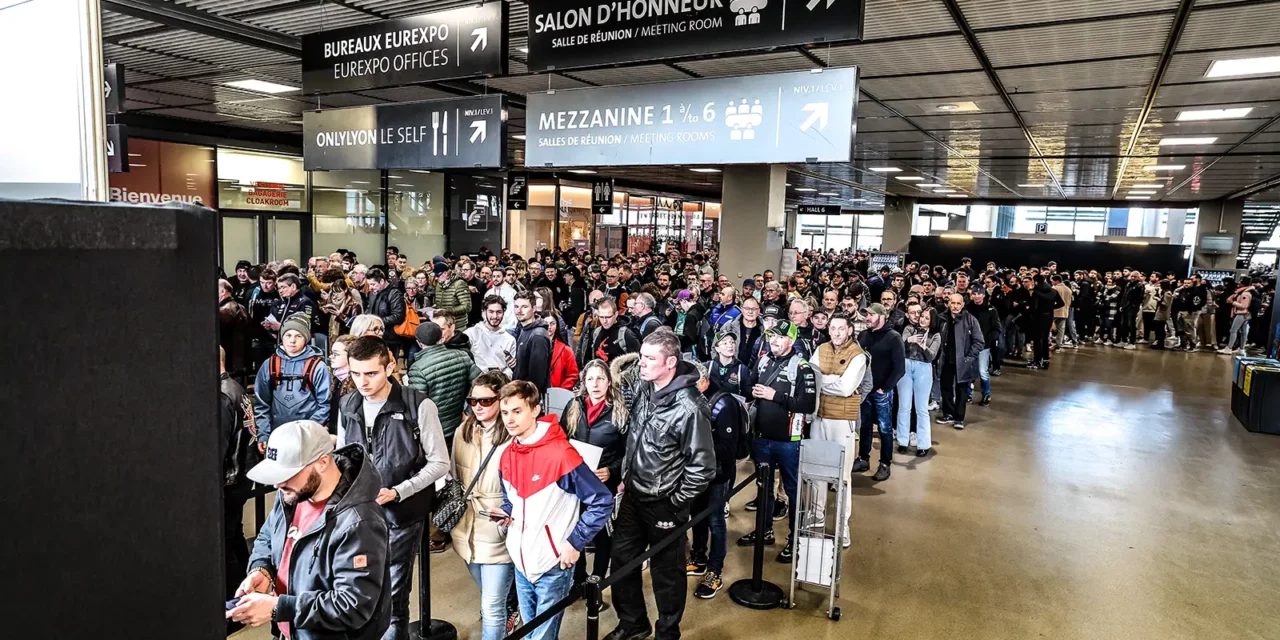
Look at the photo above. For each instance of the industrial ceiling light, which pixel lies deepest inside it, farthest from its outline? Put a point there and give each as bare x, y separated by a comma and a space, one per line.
1030, 186
944, 190
829, 194
1137, 197
1145, 194
948, 107
957, 195
1165, 167
1187, 140
910, 178
704, 170
884, 169
1243, 67
805, 189
957, 107
1146, 186
1213, 114
929, 185
261, 86
582, 171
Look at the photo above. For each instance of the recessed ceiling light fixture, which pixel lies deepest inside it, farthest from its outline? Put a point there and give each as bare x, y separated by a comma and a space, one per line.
1137, 197
944, 190
910, 178
1213, 114
805, 189
582, 171
1187, 140
884, 169
1142, 193
957, 195
957, 107
1165, 167
704, 170
1243, 67
1030, 186
948, 107
829, 194
261, 86
1146, 186
929, 185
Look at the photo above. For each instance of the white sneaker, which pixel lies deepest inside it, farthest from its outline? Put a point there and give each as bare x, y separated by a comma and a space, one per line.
1142, 341
1130, 347
1225, 351
1242, 352
1107, 343
933, 406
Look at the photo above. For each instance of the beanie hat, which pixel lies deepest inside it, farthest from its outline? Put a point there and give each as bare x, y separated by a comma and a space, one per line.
437, 260
684, 294
428, 333
299, 322
440, 268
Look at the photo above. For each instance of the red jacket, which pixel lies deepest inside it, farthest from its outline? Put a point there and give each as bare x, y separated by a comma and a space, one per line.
564, 368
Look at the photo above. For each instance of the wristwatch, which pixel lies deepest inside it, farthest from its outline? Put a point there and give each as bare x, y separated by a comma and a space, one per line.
275, 611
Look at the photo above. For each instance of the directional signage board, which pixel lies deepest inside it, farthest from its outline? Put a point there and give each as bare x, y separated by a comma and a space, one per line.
783, 117
117, 148
602, 197
436, 134
518, 192
113, 87
818, 209
565, 34
458, 43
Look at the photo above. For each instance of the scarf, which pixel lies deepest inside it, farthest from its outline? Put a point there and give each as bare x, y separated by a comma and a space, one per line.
594, 410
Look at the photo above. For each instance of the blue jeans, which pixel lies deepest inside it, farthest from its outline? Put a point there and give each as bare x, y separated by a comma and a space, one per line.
536, 597
878, 408
984, 370
785, 457
713, 527
913, 390
494, 581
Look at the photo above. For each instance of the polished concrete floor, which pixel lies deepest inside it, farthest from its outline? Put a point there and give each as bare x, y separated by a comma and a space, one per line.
1112, 496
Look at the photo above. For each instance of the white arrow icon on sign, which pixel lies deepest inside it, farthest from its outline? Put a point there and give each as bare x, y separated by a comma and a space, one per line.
814, 3
111, 149
481, 130
818, 112
481, 38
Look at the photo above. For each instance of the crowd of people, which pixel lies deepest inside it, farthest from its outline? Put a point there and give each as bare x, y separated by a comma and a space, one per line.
462, 401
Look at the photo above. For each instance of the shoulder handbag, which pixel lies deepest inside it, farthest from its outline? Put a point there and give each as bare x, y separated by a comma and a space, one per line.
408, 328
453, 500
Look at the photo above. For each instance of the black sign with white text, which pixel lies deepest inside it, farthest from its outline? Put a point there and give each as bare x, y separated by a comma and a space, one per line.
113, 87
458, 43
117, 148
565, 34
818, 209
518, 192
602, 197
436, 134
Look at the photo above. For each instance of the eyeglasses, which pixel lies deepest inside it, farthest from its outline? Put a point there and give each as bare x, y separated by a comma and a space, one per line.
484, 402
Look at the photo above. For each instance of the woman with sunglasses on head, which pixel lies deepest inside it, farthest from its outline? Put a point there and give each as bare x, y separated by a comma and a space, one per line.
477, 537
598, 415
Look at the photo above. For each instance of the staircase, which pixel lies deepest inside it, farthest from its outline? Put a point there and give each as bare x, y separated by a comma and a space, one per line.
1256, 225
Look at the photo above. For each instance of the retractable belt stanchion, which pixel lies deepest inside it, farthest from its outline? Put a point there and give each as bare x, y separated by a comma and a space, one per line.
594, 598
427, 628
756, 592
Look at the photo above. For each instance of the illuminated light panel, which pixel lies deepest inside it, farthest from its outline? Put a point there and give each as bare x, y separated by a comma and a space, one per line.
1213, 114
1187, 140
1243, 67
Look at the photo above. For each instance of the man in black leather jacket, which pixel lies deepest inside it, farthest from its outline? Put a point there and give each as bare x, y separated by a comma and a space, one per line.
670, 459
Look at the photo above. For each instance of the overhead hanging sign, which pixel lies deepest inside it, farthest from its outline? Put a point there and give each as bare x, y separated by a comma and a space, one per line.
818, 209
565, 34
783, 117
518, 192
458, 43
117, 148
436, 134
602, 196
113, 87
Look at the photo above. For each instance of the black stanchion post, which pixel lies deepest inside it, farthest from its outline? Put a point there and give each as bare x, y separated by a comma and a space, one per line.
755, 592
427, 628
592, 593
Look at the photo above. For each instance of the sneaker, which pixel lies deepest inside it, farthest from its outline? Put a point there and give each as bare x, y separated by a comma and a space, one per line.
513, 621
882, 473
1130, 347
749, 540
1242, 353
933, 406
860, 465
1107, 343
695, 568
439, 547
784, 556
996, 372
1142, 340
1033, 366
986, 400
1071, 346
945, 420
779, 509
752, 505
902, 450
1225, 351
920, 453
709, 586
959, 425
621, 633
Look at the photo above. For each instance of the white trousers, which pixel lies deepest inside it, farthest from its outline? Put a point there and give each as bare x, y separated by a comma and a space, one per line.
844, 433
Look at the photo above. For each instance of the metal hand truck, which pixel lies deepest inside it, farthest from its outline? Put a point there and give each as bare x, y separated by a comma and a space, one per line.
817, 559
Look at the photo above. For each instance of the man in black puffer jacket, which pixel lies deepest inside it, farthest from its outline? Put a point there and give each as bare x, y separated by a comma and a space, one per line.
989, 321
386, 302
533, 345
669, 461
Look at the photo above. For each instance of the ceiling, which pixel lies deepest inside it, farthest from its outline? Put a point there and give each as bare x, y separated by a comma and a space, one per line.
1059, 99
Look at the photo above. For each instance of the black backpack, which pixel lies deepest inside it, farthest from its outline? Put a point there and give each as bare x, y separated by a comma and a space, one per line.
1255, 303
742, 446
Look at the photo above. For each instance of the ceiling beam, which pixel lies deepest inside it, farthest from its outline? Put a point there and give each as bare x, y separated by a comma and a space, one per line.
1198, 172
1180, 19
976, 47
1257, 187
180, 17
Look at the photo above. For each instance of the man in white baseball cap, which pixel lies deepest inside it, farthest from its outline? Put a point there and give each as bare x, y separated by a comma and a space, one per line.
319, 563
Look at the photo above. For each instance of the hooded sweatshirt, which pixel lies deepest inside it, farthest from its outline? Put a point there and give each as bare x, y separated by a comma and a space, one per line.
290, 398
490, 348
545, 484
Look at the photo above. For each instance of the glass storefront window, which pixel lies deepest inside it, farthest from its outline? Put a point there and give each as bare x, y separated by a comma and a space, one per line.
574, 217
249, 180
415, 214
347, 208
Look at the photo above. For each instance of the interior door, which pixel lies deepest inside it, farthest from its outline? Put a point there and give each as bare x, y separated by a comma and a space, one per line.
286, 236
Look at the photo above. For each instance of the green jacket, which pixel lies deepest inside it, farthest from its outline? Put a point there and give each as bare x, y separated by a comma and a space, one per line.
445, 375
455, 296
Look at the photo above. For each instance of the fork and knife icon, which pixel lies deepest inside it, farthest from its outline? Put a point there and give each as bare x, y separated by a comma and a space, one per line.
439, 133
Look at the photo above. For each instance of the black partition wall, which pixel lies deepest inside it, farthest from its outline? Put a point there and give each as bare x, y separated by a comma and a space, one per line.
1070, 255
112, 496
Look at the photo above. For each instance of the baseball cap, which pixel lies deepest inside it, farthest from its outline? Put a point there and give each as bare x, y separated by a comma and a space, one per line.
292, 446
440, 268
772, 311
684, 294
784, 327
877, 309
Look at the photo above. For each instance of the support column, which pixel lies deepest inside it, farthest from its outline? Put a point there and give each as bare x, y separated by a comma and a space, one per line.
899, 217
1177, 226
752, 219
1218, 218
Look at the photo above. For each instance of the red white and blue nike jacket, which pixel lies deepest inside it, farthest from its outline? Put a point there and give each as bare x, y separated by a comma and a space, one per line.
544, 483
